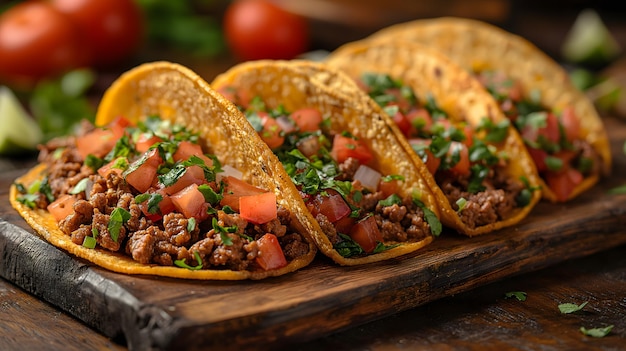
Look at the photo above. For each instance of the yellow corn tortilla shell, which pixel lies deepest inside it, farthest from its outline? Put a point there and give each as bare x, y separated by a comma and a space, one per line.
479, 46
298, 84
176, 93
456, 92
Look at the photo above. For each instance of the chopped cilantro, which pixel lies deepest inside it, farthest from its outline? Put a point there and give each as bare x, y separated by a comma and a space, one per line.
430, 217
181, 263
519, 295
618, 190
154, 199
223, 232
567, 308
80, 186
28, 200
392, 177
597, 332
495, 132
94, 162
191, 224
347, 247
89, 242
118, 217
45, 189
392, 199
553, 163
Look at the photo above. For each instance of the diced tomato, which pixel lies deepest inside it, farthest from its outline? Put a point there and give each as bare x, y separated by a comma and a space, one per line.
501, 85
389, 187
550, 131
271, 255
468, 131
165, 206
403, 123
307, 119
190, 202
258, 209
431, 162
240, 97
62, 207
98, 142
461, 168
539, 158
563, 182
145, 174
186, 149
234, 189
398, 99
145, 141
420, 119
272, 133
366, 234
570, 123
193, 175
344, 225
119, 125
333, 206
345, 147
108, 168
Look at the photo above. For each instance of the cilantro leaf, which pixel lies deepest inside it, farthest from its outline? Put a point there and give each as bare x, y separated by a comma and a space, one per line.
223, 232
181, 263
519, 295
567, 308
430, 217
118, 217
347, 247
597, 332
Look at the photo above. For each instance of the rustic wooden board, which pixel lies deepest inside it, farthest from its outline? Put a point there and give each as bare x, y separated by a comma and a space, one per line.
161, 313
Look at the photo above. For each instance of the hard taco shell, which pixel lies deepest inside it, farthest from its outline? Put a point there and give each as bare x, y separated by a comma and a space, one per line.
298, 84
477, 46
429, 73
176, 93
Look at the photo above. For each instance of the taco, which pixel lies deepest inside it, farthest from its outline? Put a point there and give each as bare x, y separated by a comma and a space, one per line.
172, 181
367, 199
560, 127
481, 175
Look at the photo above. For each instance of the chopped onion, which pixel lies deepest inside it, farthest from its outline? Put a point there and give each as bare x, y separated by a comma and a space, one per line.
229, 171
309, 146
368, 177
286, 124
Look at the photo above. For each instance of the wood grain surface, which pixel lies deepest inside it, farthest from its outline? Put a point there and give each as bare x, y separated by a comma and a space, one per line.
160, 313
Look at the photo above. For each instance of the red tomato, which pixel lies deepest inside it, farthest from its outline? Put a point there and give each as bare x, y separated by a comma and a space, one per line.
236, 188
366, 234
562, 183
145, 141
190, 202
404, 124
240, 97
119, 125
258, 29
345, 147
112, 29
550, 131
98, 142
105, 170
570, 123
431, 162
258, 209
333, 206
389, 187
37, 41
62, 207
271, 255
307, 119
344, 225
193, 175
165, 206
539, 157
272, 132
461, 168
186, 149
144, 175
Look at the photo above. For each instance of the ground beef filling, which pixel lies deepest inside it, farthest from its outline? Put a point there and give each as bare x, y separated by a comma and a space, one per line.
495, 203
161, 242
397, 223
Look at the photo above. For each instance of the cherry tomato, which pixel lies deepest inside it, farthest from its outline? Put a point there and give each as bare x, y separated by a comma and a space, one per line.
37, 41
112, 29
258, 29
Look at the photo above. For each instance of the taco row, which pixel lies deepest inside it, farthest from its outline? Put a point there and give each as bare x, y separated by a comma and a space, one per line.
362, 157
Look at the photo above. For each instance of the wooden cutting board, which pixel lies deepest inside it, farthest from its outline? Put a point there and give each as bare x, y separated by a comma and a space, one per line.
163, 314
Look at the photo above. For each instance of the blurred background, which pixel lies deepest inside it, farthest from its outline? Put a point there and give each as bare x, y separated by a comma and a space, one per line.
58, 56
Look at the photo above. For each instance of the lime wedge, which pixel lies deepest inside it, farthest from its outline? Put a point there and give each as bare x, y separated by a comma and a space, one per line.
589, 41
19, 132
